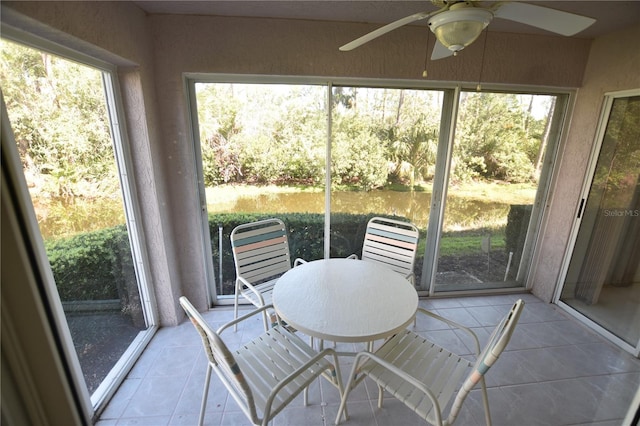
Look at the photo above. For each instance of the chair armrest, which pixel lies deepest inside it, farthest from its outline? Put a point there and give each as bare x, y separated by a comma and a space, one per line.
411, 278
352, 256
250, 287
454, 324
244, 317
299, 261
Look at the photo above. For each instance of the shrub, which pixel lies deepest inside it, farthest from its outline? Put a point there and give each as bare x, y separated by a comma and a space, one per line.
98, 265
92, 266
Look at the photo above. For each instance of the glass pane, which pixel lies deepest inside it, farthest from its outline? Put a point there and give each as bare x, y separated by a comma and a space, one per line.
58, 114
603, 278
383, 155
263, 155
496, 163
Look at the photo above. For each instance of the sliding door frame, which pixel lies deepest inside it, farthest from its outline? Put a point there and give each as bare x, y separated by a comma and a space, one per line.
603, 122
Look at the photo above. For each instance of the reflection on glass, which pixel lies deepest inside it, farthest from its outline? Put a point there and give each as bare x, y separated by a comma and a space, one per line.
603, 278
58, 114
496, 164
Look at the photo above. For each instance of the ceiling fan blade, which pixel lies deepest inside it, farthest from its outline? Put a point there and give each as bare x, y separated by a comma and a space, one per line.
440, 51
557, 21
383, 30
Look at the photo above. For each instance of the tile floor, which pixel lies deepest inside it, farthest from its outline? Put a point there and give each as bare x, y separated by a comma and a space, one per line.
554, 372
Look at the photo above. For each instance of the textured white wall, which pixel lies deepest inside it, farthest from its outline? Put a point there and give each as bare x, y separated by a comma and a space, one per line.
309, 48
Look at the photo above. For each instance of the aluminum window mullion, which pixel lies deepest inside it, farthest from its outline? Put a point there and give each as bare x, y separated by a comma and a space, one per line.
327, 175
448, 121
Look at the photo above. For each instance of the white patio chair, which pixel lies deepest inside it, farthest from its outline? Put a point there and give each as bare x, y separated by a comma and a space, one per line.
263, 376
392, 243
261, 256
426, 377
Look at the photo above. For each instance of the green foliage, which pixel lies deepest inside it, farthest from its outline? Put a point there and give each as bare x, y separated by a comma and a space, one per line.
92, 266
219, 125
358, 156
415, 144
495, 139
61, 129
616, 176
468, 243
378, 135
98, 265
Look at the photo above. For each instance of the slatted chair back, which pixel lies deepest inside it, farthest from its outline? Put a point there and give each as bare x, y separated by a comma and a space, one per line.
392, 243
261, 254
261, 250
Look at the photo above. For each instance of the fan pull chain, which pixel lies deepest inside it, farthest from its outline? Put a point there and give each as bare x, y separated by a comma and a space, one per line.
484, 48
426, 54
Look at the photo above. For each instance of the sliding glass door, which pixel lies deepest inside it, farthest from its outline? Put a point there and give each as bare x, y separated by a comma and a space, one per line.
602, 280
261, 153
499, 168
326, 157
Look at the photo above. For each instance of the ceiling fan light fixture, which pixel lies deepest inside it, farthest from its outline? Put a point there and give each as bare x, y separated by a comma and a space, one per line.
458, 28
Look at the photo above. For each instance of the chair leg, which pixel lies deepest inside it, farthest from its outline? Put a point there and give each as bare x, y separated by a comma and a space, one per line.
205, 394
235, 308
343, 403
485, 402
265, 320
345, 394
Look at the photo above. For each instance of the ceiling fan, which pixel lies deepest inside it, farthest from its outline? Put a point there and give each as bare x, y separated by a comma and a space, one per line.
458, 23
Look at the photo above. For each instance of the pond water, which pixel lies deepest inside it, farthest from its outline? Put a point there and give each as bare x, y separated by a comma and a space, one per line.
462, 213
62, 217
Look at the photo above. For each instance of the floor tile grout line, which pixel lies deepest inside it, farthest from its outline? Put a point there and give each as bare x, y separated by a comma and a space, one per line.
186, 383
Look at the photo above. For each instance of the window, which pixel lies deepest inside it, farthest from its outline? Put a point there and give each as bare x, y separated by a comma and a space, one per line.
341, 153
74, 161
498, 172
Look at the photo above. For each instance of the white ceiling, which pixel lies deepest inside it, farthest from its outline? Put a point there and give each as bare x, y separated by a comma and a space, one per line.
610, 15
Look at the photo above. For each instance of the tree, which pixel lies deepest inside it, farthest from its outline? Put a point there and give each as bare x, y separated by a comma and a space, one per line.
358, 156
493, 139
62, 130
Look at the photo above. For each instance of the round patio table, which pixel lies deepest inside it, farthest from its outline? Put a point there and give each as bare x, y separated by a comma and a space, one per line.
345, 300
